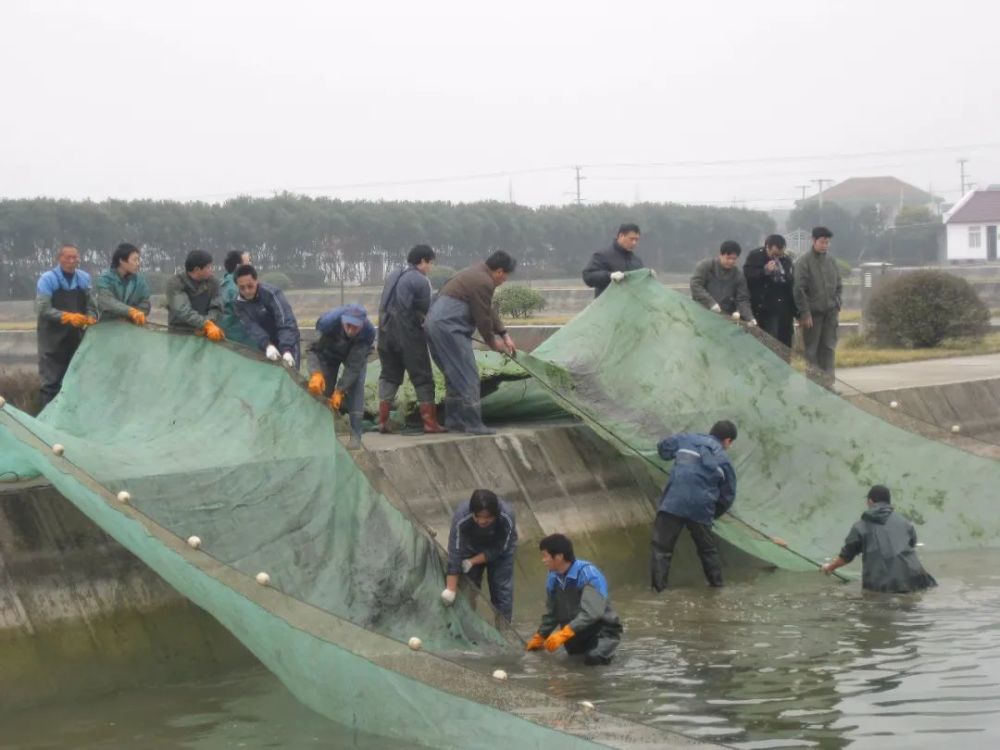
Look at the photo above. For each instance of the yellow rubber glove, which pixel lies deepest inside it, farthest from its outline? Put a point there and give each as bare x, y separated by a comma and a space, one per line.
212, 331
91, 321
535, 643
77, 320
317, 384
337, 400
558, 638
137, 316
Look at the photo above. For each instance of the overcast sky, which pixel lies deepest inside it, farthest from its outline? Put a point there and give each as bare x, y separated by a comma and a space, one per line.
379, 99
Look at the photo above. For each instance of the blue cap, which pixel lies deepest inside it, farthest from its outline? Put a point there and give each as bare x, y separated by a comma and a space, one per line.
354, 314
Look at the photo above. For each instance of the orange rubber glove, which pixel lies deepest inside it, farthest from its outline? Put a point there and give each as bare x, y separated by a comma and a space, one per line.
558, 638
337, 400
535, 643
137, 316
317, 384
77, 320
212, 331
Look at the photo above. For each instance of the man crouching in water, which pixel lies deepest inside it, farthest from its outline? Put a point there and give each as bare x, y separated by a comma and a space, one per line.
887, 544
578, 612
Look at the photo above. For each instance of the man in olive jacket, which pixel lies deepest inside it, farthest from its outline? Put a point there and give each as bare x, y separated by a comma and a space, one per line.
817, 292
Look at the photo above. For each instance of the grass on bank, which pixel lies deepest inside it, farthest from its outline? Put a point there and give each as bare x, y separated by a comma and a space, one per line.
855, 351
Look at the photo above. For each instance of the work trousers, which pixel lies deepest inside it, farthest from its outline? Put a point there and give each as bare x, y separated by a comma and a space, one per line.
667, 529
820, 343
597, 643
402, 352
501, 577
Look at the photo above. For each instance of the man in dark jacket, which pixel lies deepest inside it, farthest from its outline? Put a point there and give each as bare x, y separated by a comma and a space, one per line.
578, 611
65, 306
610, 265
770, 276
817, 289
194, 299
483, 539
702, 487
266, 317
720, 286
346, 339
887, 544
465, 305
402, 344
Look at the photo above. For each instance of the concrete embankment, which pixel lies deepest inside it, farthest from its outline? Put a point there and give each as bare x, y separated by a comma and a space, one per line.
79, 614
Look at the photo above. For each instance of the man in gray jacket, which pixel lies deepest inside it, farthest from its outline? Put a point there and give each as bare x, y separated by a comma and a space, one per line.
720, 286
817, 293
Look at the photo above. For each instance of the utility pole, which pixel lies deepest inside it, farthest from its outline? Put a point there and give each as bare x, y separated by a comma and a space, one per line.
803, 188
510, 189
961, 172
579, 179
819, 183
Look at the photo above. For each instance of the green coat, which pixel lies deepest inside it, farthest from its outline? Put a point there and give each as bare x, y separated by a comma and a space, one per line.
229, 322
817, 283
117, 295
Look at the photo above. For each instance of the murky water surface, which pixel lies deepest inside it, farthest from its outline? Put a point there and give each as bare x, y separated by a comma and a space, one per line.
773, 660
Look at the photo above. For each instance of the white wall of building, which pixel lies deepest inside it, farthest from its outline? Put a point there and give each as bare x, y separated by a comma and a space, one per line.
958, 239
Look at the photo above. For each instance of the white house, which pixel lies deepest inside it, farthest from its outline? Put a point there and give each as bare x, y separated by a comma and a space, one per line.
971, 226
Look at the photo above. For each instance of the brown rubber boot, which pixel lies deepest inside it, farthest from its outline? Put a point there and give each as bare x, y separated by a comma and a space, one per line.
428, 413
384, 407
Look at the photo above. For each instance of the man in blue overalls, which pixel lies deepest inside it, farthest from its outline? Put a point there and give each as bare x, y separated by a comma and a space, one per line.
402, 344
65, 308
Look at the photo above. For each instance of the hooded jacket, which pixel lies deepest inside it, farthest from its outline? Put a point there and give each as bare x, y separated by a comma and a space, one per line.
702, 482
887, 544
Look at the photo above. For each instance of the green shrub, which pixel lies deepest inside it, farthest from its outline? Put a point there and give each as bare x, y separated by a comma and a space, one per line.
923, 308
278, 279
518, 301
439, 274
844, 268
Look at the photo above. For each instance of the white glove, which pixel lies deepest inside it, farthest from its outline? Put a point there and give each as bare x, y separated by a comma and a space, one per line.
736, 315
752, 324
617, 276
288, 359
715, 308
272, 352
448, 597
466, 565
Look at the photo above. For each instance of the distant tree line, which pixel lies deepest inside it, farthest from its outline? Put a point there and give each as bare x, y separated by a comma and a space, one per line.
317, 241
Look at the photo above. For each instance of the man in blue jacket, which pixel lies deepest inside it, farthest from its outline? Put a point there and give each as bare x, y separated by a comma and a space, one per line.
266, 317
701, 488
346, 338
483, 539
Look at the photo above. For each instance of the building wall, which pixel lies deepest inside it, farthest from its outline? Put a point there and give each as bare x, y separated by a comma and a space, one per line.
958, 242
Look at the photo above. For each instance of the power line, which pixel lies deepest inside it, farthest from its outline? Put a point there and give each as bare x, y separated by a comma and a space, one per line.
627, 165
822, 157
